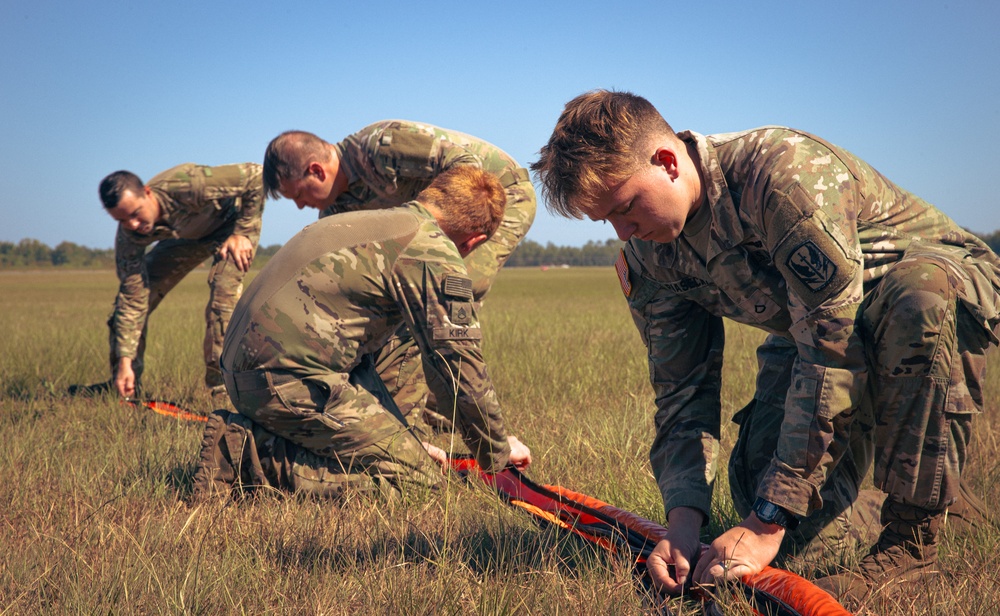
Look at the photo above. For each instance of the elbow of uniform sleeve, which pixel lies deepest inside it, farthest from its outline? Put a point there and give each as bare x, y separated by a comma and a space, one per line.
786, 488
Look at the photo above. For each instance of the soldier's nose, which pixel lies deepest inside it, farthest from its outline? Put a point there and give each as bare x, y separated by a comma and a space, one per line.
624, 230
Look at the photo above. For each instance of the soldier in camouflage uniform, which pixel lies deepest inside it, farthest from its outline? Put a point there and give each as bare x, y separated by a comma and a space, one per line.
385, 165
298, 355
190, 212
880, 311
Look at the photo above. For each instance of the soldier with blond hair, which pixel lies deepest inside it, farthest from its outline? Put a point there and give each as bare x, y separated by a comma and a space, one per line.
879, 308
314, 416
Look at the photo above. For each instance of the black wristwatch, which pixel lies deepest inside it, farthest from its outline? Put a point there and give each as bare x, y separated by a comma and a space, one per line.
772, 514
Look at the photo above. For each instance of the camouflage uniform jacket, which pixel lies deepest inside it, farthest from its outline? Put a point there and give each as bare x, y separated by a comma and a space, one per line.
341, 288
793, 233
196, 201
388, 163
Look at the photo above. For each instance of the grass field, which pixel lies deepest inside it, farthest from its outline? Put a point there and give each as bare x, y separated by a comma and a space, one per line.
94, 518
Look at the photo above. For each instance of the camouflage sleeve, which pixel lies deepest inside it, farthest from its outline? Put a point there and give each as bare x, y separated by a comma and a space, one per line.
132, 302
684, 345
411, 151
439, 309
809, 224
249, 201
486, 261
204, 197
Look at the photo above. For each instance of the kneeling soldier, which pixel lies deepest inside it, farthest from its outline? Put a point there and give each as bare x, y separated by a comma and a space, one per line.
314, 416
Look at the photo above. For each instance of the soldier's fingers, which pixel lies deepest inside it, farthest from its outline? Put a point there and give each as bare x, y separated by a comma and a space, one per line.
659, 573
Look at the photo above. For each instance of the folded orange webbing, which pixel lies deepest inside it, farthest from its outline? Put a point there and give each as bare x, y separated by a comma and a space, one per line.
165, 408
772, 591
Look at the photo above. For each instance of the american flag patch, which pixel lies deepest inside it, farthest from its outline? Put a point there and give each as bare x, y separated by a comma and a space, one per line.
621, 266
457, 286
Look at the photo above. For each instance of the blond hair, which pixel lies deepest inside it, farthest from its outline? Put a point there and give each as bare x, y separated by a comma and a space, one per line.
601, 138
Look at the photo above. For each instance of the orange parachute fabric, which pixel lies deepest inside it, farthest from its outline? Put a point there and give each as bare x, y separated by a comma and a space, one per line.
165, 408
772, 591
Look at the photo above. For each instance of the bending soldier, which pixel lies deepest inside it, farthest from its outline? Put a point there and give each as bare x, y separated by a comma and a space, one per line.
880, 311
191, 213
385, 165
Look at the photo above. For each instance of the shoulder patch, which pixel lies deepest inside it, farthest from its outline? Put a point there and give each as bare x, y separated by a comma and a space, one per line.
811, 265
621, 268
458, 286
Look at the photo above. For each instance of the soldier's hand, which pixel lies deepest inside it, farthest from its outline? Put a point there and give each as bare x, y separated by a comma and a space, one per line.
239, 249
744, 549
520, 455
673, 558
125, 378
436, 453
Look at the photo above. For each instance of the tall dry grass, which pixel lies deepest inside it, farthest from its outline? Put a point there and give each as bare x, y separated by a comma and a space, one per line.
93, 507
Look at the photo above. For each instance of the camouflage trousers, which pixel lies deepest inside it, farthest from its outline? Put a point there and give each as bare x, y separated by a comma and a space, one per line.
399, 363
325, 434
927, 327
166, 265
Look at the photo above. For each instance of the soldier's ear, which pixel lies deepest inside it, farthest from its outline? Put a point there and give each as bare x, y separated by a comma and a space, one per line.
666, 158
469, 244
317, 170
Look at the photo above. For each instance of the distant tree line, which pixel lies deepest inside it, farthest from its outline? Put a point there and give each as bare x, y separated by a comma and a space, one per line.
29, 253
533, 254
32, 253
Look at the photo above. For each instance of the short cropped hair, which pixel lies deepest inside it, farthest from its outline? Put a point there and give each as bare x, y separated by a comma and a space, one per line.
600, 139
115, 184
287, 157
471, 201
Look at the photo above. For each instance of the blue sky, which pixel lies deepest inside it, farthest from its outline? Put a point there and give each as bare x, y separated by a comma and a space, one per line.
88, 88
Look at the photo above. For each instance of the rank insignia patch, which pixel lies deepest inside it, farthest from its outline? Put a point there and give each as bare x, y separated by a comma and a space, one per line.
461, 313
811, 266
621, 267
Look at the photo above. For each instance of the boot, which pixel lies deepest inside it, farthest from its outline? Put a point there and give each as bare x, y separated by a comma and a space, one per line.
906, 552
215, 474
220, 397
92, 390
95, 390
968, 512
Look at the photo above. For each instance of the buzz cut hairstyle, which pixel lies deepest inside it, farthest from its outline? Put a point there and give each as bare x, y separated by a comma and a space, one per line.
600, 139
114, 185
287, 157
472, 201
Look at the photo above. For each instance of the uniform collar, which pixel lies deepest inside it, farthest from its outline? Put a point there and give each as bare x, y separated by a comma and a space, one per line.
724, 230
